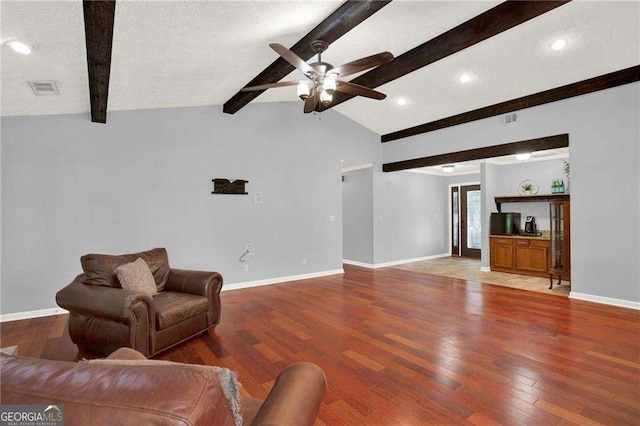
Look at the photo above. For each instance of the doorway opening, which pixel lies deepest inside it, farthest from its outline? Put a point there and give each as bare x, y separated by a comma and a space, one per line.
465, 220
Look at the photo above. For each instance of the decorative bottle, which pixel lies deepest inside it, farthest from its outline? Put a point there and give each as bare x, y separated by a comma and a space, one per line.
561, 190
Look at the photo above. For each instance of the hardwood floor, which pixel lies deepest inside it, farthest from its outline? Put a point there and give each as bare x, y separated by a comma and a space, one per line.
401, 347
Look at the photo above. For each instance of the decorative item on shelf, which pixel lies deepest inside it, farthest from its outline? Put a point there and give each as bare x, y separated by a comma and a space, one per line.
557, 187
225, 186
565, 170
528, 187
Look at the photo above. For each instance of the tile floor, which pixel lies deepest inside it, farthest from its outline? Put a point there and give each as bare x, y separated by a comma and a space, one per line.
469, 269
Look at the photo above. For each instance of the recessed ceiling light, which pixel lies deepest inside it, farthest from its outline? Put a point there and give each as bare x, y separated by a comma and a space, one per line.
401, 101
524, 156
20, 47
464, 78
448, 168
559, 44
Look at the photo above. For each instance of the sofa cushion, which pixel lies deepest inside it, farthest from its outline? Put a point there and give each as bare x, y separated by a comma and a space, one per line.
137, 276
173, 307
228, 379
99, 269
109, 393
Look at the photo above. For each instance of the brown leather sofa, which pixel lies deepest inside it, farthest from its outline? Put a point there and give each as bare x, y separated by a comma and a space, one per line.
155, 393
104, 317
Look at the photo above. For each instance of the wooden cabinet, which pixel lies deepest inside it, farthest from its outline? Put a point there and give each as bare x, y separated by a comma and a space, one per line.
532, 257
560, 263
526, 256
501, 254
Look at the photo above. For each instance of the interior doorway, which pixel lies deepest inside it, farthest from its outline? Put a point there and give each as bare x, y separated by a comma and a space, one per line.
465, 220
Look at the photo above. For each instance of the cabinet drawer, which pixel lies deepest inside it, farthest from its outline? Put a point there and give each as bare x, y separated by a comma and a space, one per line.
541, 243
502, 241
522, 243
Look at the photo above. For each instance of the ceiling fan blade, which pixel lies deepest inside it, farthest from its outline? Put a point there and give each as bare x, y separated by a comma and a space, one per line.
362, 64
269, 86
294, 60
310, 103
356, 89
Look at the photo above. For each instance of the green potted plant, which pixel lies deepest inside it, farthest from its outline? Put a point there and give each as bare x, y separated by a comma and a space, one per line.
527, 188
565, 170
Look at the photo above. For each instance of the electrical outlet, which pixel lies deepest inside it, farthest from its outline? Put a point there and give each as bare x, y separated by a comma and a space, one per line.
246, 267
332, 218
251, 248
258, 198
304, 260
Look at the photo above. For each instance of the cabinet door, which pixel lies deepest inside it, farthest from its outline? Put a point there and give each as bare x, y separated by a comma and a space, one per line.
532, 260
501, 256
560, 236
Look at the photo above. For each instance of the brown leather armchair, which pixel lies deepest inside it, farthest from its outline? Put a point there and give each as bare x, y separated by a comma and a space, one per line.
126, 393
104, 317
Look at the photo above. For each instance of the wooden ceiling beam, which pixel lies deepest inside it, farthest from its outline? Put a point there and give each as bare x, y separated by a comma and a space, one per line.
349, 15
494, 21
98, 28
530, 145
606, 81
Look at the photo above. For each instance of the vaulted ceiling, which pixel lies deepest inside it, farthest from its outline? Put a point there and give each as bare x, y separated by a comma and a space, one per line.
177, 54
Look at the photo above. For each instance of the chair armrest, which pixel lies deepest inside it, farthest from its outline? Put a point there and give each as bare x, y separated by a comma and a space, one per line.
200, 283
295, 398
116, 304
126, 354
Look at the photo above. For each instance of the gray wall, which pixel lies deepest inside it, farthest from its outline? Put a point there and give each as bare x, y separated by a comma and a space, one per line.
543, 173
410, 216
461, 179
489, 181
604, 130
143, 180
357, 219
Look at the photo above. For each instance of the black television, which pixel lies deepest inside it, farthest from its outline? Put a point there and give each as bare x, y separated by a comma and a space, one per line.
505, 223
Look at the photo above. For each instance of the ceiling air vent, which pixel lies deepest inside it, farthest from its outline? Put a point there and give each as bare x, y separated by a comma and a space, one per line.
509, 119
44, 88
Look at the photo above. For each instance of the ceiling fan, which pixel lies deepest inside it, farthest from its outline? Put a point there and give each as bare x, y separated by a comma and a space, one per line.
323, 78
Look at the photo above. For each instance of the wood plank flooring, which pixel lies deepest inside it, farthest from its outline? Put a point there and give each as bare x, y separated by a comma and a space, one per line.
405, 348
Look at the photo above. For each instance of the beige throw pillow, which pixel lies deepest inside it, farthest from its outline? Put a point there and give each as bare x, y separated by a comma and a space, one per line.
137, 276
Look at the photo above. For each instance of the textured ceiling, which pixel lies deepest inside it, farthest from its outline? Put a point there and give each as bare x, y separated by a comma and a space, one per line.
174, 53
603, 37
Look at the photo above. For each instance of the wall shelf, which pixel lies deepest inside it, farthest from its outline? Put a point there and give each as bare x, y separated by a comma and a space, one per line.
528, 199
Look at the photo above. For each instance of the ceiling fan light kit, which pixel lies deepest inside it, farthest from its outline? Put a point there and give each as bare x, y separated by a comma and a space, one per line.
323, 78
304, 89
19, 46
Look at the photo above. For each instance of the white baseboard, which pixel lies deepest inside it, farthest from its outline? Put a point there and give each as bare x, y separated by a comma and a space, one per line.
360, 264
32, 314
269, 281
485, 269
226, 287
395, 262
604, 300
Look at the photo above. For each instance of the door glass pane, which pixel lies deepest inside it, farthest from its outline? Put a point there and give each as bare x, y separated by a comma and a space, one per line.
455, 224
474, 236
